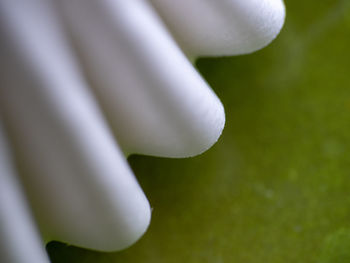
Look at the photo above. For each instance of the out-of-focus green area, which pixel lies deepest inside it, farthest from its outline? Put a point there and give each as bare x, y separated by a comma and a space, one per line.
276, 187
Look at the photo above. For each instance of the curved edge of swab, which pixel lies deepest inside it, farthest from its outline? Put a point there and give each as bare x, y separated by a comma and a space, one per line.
222, 27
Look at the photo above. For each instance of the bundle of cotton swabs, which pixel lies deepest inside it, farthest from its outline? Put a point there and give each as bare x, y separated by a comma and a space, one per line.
84, 84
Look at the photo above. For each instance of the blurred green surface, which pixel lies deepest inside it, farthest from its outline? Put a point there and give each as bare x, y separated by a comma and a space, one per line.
276, 187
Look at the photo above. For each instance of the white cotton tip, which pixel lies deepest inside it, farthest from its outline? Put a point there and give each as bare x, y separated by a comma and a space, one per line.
19, 237
155, 100
222, 27
77, 180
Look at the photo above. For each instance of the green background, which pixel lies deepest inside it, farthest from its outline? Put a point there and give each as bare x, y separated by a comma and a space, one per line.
276, 187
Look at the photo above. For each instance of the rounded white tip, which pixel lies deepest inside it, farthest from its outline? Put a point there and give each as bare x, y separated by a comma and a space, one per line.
222, 27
